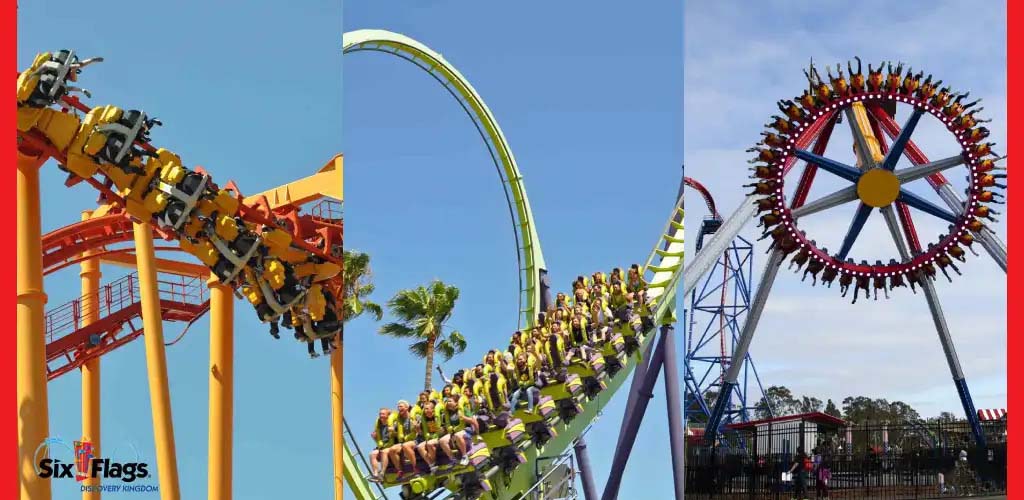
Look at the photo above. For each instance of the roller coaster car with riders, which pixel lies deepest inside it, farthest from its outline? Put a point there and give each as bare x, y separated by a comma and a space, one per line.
289, 280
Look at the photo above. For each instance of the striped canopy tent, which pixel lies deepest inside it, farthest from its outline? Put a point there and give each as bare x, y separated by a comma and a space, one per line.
988, 415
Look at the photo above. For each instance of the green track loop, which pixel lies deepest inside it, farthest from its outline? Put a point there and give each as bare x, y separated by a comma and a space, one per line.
528, 245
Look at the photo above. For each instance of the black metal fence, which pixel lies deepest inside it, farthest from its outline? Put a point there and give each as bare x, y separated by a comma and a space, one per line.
887, 461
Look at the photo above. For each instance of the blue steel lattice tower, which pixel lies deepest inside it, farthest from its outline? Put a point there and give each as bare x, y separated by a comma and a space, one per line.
713, 319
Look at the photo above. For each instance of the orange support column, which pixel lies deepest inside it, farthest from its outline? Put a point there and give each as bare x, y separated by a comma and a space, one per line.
90, 276
337, 416
222, 347
33, 411
156, 363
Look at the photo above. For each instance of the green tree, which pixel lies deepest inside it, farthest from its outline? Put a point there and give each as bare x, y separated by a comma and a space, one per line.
358, 285
778, 401
898, 411
831, 409
422, 313
808, 404
862, 410
859, 409
943, 417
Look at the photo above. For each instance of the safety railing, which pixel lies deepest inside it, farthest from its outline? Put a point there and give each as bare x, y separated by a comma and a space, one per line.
557, 482
119, 295
350, 440
886, 461
327, 209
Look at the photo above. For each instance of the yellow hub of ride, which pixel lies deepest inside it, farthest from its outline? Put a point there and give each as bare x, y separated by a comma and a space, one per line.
878, 188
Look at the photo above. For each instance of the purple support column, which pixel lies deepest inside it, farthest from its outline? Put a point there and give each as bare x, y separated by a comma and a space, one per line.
676, 432
586, 476
634, 388
636, 415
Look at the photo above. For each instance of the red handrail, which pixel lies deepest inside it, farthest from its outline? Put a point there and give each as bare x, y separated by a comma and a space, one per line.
119, 295
327, 209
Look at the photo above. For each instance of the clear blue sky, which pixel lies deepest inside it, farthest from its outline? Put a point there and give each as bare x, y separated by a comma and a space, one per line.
589, 94
249, 90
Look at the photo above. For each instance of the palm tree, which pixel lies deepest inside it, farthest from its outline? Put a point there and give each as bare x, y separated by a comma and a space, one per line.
358, 285
422, 313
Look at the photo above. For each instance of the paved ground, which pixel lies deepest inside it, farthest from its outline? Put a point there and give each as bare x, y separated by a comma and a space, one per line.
997, 497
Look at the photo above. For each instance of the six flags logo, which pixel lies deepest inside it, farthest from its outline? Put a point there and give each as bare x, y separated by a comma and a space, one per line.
85, 464
83, 458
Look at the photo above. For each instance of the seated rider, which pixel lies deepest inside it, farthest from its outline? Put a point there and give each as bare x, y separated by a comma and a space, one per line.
477, 404
458, 428
618, 301
495, 395
508, 370
599, 315
406, 429
634, 281
554, 349
473, 402
518, 344
561, 300
383, 435
476, 382
581, 296
579, 282
579, 337
421, 400
492, 361
446, 392
643, 308
528, 385
431, 429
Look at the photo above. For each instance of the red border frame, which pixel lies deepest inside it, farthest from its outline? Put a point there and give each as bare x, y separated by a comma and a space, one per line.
1013, 316
8, 148
8, 59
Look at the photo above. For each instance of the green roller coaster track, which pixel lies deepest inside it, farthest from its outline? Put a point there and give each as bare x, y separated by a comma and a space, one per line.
531, 259
663, 268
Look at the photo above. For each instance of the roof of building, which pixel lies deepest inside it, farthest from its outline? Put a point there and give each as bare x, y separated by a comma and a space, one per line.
992, 414
813, 417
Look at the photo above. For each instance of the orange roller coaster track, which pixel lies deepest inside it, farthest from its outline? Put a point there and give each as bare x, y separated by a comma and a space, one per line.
76, 334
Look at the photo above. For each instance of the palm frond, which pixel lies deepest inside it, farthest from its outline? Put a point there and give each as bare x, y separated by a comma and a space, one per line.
409, 304
445, 349
358, 286
398, 330
454, 343
374, 309
420, 313
419, 349
457, 340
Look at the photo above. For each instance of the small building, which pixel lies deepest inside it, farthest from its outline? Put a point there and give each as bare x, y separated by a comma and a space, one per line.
782, 435
992, 415
694, 436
